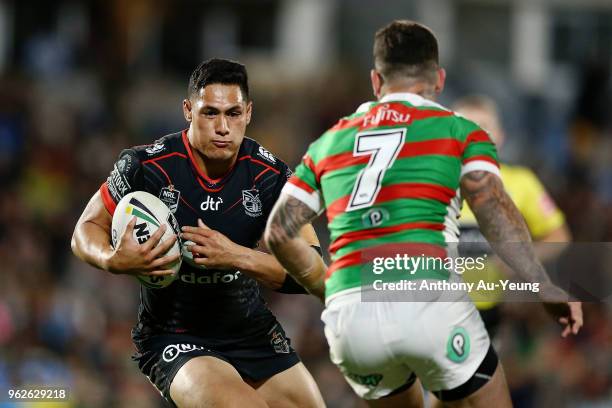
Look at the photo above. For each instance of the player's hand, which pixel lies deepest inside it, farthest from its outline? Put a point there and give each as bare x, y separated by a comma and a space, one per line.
567, 313
211, 248
132, 258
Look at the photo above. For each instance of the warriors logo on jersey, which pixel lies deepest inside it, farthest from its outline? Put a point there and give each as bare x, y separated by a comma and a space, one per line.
251, 202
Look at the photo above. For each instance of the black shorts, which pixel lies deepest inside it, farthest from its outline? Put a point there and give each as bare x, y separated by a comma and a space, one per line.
160, 356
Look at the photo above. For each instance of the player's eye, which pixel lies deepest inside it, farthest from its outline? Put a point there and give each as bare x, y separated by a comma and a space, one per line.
211, 113
234, 114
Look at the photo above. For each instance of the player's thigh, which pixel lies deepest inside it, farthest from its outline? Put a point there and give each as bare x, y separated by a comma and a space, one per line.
493, 394
453, 347
291, 388
412, 397
363, 340
207, 382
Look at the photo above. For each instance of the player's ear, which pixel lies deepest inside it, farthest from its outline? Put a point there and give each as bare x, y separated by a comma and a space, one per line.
377, 82
249, 111
187, 112
440, 81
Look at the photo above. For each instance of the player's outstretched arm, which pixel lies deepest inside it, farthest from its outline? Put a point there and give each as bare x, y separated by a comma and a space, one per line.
505, 229
292, 250
91, 243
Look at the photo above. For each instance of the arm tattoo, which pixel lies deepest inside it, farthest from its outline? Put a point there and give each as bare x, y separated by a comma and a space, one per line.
282, 236
502, 224
288, 217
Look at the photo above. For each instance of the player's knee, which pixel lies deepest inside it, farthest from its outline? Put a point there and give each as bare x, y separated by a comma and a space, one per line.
304, 398
203, 384
297, 389
295, 400
209, 394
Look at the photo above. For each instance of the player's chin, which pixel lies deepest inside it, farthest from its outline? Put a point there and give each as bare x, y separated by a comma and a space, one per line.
221, 153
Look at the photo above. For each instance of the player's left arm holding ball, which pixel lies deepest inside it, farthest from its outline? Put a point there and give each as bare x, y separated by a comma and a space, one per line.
91, 242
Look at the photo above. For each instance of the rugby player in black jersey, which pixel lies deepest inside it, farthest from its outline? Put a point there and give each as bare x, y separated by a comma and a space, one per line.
207, 339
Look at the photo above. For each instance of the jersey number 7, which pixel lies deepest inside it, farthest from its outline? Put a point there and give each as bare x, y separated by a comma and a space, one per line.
383, 146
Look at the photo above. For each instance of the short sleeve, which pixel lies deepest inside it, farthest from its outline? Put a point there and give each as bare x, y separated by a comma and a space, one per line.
479, 152
304, 185
125, 178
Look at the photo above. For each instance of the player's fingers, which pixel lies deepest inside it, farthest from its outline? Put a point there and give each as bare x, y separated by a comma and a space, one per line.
201, 224
576, 316
198, 231
202, 261
567, 330
198, 250
162, 272
564, 320
163, 247
164, 260
129, 229
130, 225
195, 238
155, 238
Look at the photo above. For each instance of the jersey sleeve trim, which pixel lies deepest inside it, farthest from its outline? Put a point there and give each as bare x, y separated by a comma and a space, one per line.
312, 199
107, 199
481, 157
298, 182
480, 165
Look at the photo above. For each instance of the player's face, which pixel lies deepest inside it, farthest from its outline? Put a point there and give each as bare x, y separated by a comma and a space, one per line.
219, 116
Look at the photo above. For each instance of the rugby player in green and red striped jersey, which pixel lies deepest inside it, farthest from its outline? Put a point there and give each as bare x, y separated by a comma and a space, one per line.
389, 177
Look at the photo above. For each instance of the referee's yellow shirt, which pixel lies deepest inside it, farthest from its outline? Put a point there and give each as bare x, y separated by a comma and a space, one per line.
539, 210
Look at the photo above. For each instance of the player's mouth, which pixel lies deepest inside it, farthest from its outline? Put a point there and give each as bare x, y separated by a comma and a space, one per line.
221, 144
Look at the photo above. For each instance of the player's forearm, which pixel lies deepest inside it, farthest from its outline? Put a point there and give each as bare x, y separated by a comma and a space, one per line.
283, 238
90, 243
261, 266
502, 224
301, 262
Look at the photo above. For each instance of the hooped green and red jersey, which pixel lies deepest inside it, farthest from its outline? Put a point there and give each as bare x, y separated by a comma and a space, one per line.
388, 176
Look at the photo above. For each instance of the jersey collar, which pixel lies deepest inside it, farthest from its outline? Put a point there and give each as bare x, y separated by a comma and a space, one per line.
411, 98
212, 185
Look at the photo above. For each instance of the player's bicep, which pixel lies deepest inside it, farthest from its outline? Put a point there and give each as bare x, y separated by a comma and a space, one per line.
287, 219
480, 186
96, 212
94, 225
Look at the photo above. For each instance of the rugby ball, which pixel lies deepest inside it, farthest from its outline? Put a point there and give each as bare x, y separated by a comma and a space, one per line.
151, 213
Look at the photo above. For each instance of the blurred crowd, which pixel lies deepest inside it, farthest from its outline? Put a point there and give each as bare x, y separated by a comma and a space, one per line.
67, 108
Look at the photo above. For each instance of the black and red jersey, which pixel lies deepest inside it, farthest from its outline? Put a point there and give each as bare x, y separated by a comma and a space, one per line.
220, 305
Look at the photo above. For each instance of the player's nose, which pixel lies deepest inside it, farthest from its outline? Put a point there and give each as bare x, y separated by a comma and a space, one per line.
221, 125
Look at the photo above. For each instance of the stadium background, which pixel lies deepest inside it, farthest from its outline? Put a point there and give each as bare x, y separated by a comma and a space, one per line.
81, 80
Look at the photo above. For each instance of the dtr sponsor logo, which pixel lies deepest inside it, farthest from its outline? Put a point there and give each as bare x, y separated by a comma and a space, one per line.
211, 204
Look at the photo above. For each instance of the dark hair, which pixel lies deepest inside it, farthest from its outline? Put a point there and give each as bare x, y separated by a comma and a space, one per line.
218, 71
406, 48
